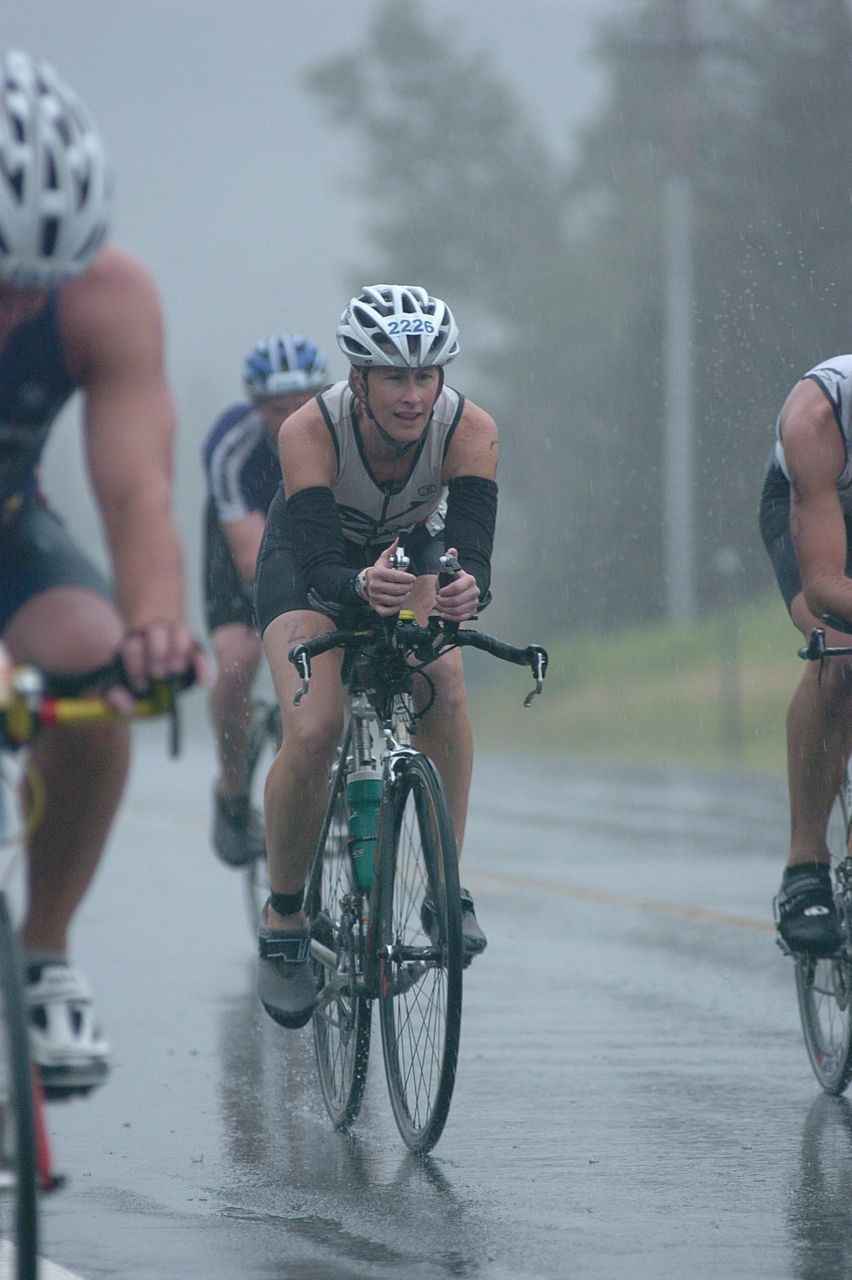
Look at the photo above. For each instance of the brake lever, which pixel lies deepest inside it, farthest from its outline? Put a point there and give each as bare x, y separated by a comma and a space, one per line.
301, 660
538, 666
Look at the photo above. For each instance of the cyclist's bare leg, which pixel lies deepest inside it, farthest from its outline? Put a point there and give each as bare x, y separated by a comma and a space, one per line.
445, 734
297, 784
817, 743
68, 629
446, 737
237, 650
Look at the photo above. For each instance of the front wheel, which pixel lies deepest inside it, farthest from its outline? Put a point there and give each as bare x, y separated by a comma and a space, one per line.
342, 1015
264, 740
420, 952
824, 986
18, 1150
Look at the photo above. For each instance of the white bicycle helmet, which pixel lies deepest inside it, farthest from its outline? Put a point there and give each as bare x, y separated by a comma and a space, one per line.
399, 325
282, 364
55, 181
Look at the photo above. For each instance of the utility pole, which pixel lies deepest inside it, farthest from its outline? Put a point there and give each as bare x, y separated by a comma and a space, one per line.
679, 310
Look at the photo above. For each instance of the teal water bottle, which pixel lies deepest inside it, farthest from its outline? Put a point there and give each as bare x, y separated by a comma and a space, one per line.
364, 793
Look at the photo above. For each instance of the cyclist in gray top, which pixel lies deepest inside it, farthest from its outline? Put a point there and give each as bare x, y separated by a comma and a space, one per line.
391, 456
806, 521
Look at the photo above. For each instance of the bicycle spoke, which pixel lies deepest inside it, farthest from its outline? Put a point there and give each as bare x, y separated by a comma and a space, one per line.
823, 985
420, 1019
341, 1021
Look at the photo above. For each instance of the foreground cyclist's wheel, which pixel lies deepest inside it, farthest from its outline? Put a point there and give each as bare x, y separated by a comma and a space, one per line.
263, 742
18, 1154
824, 987
420, 972
341, 1019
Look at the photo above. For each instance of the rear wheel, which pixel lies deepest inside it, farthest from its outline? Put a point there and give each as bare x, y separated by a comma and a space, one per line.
341, 1018
263, 742
824, 986
18, 1148
420, 952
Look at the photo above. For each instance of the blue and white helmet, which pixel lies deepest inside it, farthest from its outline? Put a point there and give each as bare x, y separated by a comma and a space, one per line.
281, 364
399, 325
55, 180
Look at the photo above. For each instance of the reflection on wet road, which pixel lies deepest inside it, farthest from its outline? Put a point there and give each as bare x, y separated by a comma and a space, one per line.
633, 1099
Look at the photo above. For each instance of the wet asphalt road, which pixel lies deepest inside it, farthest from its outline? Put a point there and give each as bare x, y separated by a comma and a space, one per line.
633, 1097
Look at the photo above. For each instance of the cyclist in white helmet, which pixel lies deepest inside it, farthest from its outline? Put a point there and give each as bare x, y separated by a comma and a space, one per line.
240, 455
75, 315
392, 456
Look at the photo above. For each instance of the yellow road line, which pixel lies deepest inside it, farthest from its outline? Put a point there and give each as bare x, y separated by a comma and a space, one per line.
702, 915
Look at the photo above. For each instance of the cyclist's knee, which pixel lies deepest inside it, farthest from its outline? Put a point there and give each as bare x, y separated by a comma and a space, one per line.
450, 693
65, 629
237, 650
832, 682
310, 740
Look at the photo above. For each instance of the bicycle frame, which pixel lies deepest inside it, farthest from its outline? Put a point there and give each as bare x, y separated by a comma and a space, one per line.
358, 747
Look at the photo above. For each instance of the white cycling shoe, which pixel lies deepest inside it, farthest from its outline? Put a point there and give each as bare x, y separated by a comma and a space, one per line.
66, 1043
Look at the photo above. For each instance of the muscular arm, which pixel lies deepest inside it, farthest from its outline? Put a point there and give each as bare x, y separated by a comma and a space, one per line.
469, 472
112, 330
815, 455
309, 468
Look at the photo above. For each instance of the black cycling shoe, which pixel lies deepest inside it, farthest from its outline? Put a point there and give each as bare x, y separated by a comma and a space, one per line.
285, 983
239, 838
805, 913
474, 940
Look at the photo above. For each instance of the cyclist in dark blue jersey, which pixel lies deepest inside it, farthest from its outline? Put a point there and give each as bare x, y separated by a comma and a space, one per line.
280, 374
76, 316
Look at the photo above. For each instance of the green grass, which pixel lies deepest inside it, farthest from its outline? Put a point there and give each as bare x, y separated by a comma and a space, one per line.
714, 694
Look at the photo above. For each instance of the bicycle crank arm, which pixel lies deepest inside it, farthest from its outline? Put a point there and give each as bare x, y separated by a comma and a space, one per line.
326, 957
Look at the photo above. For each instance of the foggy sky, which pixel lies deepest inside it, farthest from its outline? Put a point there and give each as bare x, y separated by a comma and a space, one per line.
230, 183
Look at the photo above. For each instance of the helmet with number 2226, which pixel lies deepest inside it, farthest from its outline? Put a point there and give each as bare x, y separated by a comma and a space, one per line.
397, 325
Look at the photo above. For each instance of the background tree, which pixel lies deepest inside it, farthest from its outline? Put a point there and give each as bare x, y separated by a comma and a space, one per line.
558, 272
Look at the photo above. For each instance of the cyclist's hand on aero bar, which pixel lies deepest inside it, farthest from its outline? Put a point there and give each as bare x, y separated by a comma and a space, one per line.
388, 588
458, 600
159, 650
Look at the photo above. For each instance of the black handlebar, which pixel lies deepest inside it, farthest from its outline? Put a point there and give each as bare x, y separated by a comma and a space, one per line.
439, 637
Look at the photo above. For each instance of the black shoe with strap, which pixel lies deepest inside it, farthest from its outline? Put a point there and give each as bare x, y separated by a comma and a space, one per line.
805, 912
474, 940
285, 983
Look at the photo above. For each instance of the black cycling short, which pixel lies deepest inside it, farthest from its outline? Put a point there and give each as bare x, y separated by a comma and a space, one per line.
777, 538
37, 553
279, 586
227, 598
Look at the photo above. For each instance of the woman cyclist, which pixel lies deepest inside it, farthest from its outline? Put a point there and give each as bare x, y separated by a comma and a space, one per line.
391, 456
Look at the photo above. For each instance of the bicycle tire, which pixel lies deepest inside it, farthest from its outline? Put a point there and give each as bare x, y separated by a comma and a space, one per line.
342, 1016
264, 740
420, 982
18, 1142
824, 986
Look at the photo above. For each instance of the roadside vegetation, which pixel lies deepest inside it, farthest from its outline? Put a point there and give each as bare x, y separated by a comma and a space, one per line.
711, 695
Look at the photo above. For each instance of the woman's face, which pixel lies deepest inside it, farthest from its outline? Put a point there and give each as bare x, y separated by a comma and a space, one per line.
401, 400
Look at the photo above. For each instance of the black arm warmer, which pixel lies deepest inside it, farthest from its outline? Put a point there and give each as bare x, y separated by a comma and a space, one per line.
469, 527
313, 525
